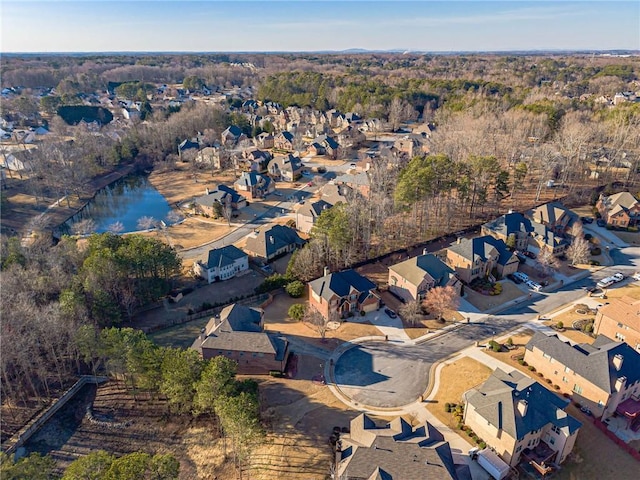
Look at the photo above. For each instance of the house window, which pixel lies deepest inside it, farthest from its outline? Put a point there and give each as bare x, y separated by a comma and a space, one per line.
577, 388
555, 430
519, 448
552, 440
568, 370
619, 336
547, 356
564, 379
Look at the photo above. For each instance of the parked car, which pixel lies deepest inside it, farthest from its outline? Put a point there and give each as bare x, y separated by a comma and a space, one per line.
534, 286
529, 254
586, 219
605, 282
601, 223
617, 277
636, 276
310, 184
523, 277
513, 278
390, 313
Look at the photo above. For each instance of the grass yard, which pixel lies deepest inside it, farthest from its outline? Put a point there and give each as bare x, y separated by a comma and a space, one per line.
191, 233
484, 302
519, 340
595, 456
455, 379
631, 290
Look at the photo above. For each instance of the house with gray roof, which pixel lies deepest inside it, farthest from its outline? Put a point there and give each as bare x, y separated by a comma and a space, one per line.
414, 277
283, 141
602, 375
308, 213
396, 451
342, 294
619, 210
521, 420
287, 168
255, 184
359, 182
553, 215
238, 333
232, 135
473, 258
512, 227
223, 195
222, 264
269, 243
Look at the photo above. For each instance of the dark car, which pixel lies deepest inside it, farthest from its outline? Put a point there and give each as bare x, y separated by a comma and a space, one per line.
390, 312
601, 222
529, 254
513, 278
586, 219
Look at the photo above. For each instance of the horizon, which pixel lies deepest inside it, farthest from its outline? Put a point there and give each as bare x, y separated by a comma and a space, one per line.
318, 26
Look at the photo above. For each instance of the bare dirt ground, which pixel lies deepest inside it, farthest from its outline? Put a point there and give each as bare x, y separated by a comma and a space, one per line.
192, 232
455, 379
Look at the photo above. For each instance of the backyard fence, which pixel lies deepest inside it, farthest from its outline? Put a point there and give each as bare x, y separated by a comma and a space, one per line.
618, 441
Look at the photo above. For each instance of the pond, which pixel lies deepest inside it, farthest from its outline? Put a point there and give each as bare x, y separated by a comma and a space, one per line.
128, 205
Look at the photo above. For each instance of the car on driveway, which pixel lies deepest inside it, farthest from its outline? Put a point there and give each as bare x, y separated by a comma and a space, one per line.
529, 254
523, 277
601, 223
605, 282
617, 277
514, 279
533, 285
390, 313
636, 276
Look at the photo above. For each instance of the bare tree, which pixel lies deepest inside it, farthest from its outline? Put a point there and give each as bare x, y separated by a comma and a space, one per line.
84, 227
547, 261
116, 227
578, 251
146, 223
439, 299
173, 217
317, 321
411, 312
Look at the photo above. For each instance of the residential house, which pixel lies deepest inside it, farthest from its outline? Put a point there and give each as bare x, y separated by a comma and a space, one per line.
238, 333
543, 237
283, 141
264, 140
209, 156
477, 257
521, 420
396, 451
620, 319
351, 137
257, 186
553, 215
325, 145
233, 135
288, 168
308, 213
619, 210
600, 376
513, 229
269, 243
414, 277
359, 182
224, 194
341, 294
188, 144
255, 160
222, 264
411, 145
16, 162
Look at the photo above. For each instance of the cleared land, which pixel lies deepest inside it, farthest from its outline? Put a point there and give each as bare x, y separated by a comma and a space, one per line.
455, 379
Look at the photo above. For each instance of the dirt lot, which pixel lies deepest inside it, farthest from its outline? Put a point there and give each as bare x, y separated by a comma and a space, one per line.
455, 379
485, 302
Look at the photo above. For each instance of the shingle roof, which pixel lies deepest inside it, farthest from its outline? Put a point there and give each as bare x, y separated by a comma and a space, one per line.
624, 199
250, 179
361, 178
481, 248
551, 213
313, 209
510, 223
340, 284
396, 451
592, 362
221, 257
415, 269
624, 310
219, 196
233, 130
496, 400
267, 241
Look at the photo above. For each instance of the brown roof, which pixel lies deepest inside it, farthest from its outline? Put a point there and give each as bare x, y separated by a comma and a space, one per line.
625, 310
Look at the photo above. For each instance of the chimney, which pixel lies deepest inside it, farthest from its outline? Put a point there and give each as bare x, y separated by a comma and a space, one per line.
617, 361
510, 211
424, 251
271, 240
459, 240
620, 382
206, 191
326, 271
202, 333
522, 407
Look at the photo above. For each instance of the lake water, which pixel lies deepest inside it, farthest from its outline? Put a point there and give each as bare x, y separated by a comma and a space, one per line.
125, 201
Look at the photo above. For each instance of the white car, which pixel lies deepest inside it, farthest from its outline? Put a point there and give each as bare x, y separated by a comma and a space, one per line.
636, 276
534, 286
617, 277
605, 282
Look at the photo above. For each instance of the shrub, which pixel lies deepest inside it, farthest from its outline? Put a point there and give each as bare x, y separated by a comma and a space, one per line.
482, 445
273, 282
362, 313
632, 229
521, 361
540, 374
295, 289
588, 328
276, 373
594, 262
557, 387
524, 364
460, 426
559, 325
509, 341
548, 380
297, 311
447, 407
495, 346
596, 251
532, 368
588, 236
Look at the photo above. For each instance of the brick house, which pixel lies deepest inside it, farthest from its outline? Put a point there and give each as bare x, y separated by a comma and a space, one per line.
553, 215
222, 264
283, 141
619, 210
308, 213
238, 333
601, 375
256, 185
336, 295
205, 203
359, 182
512, 225
521, 420
414, 277
477, 257
287, 169
620, 320
269, 243
396, 450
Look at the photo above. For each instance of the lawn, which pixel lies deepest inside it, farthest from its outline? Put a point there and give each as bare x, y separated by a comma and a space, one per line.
455, 379
508, 357
180, 336
484, 302
631, 290
595, 456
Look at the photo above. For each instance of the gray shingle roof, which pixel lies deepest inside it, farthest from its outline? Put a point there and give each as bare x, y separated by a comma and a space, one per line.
510, 223
221, 257
551, 213
496, 401
340, 284
218, 196
592, 362
267, 242
250, 179
481, 248
415, 269
396, 451
313, 209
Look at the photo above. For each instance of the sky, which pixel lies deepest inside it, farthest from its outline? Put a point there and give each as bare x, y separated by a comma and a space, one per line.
316, 25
